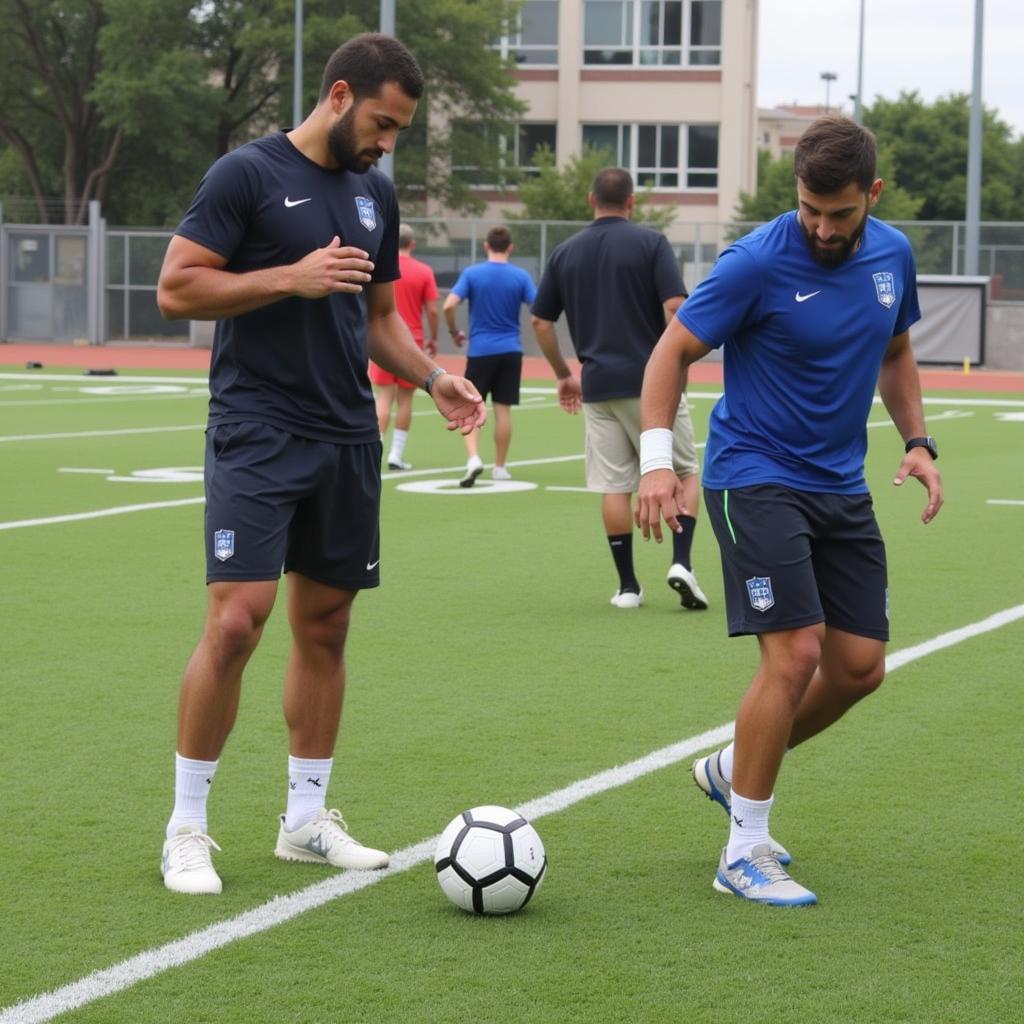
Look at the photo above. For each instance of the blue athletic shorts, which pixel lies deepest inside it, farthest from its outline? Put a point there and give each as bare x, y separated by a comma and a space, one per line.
497, 376
795, 558
276, 501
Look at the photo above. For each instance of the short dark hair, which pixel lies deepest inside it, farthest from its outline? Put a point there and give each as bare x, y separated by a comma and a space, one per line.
833, 152
612, 187
369, 60
499, 239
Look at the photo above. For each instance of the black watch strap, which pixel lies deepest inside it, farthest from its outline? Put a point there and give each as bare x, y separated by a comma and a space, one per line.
924, 442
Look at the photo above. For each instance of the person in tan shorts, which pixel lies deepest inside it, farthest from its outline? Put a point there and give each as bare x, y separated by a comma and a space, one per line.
619, 284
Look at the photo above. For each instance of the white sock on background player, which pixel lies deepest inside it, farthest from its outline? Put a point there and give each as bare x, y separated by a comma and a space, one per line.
398, 439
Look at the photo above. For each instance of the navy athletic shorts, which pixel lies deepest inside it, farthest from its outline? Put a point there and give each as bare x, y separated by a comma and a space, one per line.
497, 376
795, 558
276, 501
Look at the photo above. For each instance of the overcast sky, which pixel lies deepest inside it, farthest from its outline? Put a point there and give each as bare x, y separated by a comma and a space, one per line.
927, 45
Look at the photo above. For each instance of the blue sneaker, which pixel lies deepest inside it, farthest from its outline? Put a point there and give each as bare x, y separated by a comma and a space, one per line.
760, 878
707, 773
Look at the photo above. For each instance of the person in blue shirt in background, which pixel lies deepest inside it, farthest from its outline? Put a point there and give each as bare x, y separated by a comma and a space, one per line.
495, 289
811, 311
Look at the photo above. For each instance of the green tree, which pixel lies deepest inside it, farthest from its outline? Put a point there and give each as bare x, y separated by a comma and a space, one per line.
132, 99
51, 52
560, 193
928, 145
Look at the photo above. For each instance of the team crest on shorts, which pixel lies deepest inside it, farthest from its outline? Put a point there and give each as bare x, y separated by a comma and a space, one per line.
885, 288
367, 214
223, 545
759, 588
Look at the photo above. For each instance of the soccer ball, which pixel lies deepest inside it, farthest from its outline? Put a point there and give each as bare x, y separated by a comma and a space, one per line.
490, 860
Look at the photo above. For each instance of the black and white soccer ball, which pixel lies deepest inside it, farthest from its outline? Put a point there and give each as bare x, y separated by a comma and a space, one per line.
490, 860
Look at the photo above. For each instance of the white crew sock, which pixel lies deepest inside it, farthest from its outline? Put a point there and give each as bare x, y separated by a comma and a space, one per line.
398, 439
725, 762
308, 779
192, 781
748, 826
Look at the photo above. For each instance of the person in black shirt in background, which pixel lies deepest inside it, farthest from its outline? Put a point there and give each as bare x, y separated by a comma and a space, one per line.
619, 284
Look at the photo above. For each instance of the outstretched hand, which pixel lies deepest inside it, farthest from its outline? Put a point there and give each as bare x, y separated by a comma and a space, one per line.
918, 463
459, 403
661, 496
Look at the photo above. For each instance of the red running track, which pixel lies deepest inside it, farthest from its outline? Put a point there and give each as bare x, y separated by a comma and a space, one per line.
181, 357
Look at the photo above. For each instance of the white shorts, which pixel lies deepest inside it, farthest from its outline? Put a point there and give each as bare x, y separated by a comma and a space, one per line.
613, 444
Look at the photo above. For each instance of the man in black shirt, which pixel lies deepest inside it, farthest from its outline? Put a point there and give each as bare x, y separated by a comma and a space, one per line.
619, 284
291, 245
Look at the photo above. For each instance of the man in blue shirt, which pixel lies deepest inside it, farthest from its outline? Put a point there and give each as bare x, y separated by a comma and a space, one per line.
495, 289
811, 312
291, 245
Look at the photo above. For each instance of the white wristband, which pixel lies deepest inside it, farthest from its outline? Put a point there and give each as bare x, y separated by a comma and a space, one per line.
655, 449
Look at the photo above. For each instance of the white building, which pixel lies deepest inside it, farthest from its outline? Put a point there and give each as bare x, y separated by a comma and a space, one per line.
667, 85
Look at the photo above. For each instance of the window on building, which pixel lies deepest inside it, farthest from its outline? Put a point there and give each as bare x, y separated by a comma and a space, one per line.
660, 156
489, 159
705, 37
527, 140
658, 33
533, 38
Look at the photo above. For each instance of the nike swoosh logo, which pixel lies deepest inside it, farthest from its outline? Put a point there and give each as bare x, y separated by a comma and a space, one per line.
804, 298
370, 566
296, 202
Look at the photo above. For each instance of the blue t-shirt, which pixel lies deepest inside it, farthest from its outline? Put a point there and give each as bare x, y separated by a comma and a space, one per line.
297, 364
802, 347
495, 292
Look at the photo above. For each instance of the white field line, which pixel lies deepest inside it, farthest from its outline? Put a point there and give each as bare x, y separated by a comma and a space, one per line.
126, 432
1003, 501
276, 911
121, 510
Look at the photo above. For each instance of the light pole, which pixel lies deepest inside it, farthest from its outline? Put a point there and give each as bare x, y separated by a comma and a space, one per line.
297, 86
974, 135
387, 25
858, 103
828, 77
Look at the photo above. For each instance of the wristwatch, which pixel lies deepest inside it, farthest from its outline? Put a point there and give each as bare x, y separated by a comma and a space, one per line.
924, 442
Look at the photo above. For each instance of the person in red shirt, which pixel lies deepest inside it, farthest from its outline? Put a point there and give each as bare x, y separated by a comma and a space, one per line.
415, 291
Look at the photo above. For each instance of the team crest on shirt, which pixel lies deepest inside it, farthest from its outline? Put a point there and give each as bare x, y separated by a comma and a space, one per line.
885, 288
759, 588
223, 545
367, 214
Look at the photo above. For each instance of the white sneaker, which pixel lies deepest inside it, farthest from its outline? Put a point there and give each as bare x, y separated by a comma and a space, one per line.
186, 864
627, 599
500, 473
474, 467
325, 841
684, 583
397, 464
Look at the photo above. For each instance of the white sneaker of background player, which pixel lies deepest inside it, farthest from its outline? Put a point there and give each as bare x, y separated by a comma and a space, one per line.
186, 864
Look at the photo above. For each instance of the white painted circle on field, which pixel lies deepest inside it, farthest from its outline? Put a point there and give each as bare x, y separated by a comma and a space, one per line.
480, 487
162, 475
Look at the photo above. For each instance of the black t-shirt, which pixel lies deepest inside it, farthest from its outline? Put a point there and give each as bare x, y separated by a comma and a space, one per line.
298, 364
611, 279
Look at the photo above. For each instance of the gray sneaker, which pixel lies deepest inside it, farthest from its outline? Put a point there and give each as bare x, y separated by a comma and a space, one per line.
325, 841
760, 878
707, 773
